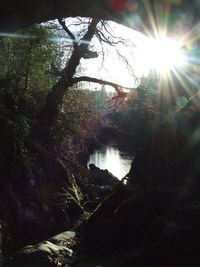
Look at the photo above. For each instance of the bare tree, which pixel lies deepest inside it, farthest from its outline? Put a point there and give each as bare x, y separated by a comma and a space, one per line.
81, 49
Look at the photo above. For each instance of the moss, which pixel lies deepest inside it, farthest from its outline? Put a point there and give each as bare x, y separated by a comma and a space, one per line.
47, 253
63, 236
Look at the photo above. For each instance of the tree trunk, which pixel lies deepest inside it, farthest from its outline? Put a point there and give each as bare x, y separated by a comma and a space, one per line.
48, 115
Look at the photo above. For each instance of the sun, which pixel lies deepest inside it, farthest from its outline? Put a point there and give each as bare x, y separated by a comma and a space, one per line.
164, 55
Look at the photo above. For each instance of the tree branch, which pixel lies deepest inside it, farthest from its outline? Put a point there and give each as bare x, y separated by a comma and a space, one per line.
128, 65
65, 28
90, 32
105, 34
49, 113
116, 86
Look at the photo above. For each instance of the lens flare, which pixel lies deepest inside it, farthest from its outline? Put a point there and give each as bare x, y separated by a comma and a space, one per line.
164, 55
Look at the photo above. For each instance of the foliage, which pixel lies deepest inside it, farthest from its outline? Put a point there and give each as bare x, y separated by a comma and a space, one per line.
98, 100
139, 107
31, 61
75, 110
25, 60
72, 194
25, 56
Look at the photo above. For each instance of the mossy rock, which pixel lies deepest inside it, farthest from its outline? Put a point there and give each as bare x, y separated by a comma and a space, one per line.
52, 252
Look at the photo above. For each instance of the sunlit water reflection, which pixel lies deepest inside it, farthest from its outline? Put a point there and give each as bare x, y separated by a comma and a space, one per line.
112, 159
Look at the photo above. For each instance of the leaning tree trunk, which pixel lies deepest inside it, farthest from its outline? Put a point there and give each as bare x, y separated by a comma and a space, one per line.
49, 113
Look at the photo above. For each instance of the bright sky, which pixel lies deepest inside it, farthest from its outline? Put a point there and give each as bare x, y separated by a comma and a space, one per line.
115, 69
143, 54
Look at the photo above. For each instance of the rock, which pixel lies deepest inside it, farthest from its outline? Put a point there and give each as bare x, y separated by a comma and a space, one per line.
170, 157
93, 167
101, 177
1, 244
123, 219
97, 192
73, 211
56, 251
90, 206
116, 259
173, 240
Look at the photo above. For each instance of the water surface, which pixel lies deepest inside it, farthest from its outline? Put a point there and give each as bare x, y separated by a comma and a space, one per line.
111, 158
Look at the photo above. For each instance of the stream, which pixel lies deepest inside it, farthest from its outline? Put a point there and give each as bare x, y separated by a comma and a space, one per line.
114, 160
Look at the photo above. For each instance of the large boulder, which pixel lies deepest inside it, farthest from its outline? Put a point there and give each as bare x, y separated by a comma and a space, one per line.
156, 163
101, 177
173, 240
56, 251
124, 218
100, 183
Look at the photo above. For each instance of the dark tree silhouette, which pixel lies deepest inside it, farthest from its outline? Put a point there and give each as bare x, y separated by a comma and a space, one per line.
67, 76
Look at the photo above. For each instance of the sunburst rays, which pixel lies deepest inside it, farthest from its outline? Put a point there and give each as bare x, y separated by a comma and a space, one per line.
178, 25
